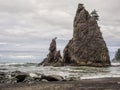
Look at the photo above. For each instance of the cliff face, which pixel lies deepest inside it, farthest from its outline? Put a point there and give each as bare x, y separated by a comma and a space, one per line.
87, 47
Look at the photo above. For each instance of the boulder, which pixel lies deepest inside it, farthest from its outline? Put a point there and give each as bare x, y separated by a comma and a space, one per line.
52, 78
10, 81
7, 79
29, 80
2, 75
44, 80
20, 76
15, 73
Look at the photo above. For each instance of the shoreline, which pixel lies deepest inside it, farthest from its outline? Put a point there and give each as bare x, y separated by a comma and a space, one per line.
86, 84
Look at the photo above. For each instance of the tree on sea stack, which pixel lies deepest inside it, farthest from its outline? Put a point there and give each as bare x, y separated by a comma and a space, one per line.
94, 14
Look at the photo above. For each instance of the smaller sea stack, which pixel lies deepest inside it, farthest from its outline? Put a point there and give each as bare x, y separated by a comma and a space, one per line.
54, 57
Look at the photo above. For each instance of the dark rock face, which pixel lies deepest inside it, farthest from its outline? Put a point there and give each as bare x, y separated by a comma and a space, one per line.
87, 47
52, 78
54, 57
20, 76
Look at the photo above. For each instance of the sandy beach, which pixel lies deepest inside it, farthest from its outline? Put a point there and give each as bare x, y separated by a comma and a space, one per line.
87, 84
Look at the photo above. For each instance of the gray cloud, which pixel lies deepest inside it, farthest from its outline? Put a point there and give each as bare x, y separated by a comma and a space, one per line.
31, 24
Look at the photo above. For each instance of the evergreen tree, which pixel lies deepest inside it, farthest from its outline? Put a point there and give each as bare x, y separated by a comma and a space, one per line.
94, 14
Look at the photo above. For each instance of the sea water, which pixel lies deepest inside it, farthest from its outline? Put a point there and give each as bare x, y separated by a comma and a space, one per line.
81, 72
27, 62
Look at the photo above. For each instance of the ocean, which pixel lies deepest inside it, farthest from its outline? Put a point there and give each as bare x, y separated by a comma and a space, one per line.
27, 62
22, 56
81, 72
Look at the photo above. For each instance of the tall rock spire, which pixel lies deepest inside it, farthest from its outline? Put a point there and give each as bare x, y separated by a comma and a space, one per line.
87, 47
54, 57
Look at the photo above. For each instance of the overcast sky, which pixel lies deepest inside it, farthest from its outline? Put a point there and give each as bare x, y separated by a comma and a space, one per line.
31, 24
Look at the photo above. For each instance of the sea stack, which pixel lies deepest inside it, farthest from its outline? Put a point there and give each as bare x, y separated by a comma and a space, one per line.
87, 47
54, 57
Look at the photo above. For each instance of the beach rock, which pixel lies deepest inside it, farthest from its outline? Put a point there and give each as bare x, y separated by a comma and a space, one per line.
2, 75
10, 81
52, 78
6, 78
87, 47
54, 57
44, 80
29, 80
15, 73
33, 78
20, 76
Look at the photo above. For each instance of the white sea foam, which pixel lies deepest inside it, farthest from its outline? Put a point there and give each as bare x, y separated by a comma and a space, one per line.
99, 76
115, 64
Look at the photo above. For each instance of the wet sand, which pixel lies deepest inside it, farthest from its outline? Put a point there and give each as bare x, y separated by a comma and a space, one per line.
89, 84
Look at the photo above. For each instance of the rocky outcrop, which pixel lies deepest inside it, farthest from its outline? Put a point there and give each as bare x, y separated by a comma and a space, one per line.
87, 47
117, 56
54, 57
